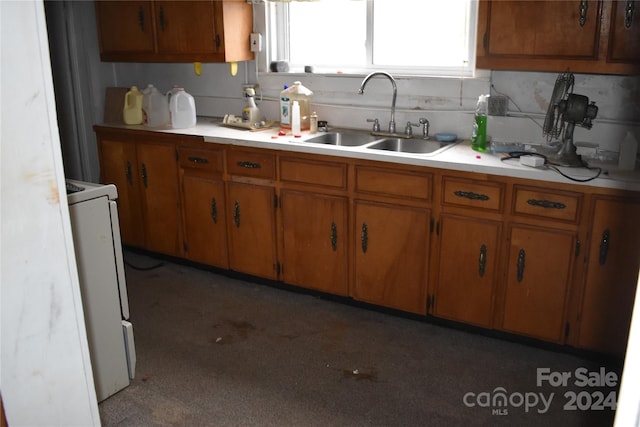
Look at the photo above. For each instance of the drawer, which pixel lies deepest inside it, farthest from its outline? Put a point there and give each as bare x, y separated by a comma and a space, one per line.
394, 183
472, 194
201, 159
547, 204
251, 163
326, 174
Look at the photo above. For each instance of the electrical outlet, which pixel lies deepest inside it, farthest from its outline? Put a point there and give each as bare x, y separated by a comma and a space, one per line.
256, 42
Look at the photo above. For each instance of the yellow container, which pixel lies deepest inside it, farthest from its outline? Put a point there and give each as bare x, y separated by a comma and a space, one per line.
132, 113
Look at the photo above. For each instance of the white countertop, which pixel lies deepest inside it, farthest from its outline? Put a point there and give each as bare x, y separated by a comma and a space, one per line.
460, 157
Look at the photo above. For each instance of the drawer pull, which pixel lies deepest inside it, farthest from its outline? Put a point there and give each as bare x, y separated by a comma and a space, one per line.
334, 236
547, 204
249, 165
483, 259
604, 247
471, 195
194, 159
521, 256
364, 237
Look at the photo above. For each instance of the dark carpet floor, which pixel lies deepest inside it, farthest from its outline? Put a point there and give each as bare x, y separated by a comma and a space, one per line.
215, 351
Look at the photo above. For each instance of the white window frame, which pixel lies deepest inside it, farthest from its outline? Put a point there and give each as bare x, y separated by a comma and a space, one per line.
276, 13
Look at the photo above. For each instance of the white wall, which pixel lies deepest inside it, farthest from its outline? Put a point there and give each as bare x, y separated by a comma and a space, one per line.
46, 376
448, 103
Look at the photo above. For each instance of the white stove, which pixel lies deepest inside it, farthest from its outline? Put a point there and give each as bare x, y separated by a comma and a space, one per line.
96, 237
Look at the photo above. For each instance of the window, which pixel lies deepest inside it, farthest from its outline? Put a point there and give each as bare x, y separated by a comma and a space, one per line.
358, 36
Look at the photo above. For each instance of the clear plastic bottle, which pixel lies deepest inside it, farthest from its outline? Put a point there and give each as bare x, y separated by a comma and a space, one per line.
250, 113
479, 135
183, 109
295, 118
155, 107
313, 123
297, 92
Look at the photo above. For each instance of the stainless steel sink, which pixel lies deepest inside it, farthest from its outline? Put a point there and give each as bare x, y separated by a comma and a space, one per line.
419, 146
347, 139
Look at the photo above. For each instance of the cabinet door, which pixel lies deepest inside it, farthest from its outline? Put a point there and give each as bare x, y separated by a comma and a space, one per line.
612, 275
251, 225
315, 248
467, 270
125, 26
624, 35
539, 272
158, 171
205, 223
542, 29
119, 166
392, 249
185, 27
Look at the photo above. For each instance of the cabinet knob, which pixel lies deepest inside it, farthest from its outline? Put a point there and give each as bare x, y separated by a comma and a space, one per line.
334, 236
128, 173
144, 175
604, 247
521, 257
364, 237
583, 8
628, 13
236, 213
214, 210
482, 261
141, 19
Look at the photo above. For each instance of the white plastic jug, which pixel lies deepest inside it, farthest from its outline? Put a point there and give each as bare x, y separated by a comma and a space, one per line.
155, 107
132, 109
182, 108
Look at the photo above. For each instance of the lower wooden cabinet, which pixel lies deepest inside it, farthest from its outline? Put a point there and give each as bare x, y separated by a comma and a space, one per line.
467, 270
251, 229
205, 223
146, 176
612, 275
540, 263
391, 255
314, 230
555, 264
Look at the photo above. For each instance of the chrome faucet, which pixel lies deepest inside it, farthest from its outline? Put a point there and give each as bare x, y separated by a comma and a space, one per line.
392, 122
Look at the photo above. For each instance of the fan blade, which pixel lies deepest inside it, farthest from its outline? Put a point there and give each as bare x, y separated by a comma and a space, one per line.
553, 118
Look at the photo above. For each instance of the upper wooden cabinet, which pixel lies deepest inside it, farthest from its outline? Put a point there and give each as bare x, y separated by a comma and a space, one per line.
582, 36
174, 31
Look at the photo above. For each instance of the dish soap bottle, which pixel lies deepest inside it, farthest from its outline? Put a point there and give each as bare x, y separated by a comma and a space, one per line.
250, 113
285, 113
479, 135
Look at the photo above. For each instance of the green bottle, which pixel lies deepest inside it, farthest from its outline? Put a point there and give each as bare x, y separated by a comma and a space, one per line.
479, 135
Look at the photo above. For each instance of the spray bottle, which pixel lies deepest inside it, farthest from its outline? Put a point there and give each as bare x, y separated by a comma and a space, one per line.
250, 113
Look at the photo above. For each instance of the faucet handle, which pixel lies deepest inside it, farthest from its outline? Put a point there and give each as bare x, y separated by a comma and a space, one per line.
408, 130
425, 127
376, 124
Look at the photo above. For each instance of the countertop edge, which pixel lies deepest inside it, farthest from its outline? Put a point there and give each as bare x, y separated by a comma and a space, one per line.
460, 157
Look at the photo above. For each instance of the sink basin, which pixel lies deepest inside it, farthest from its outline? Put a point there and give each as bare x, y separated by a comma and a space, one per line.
347, 139
419, 146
